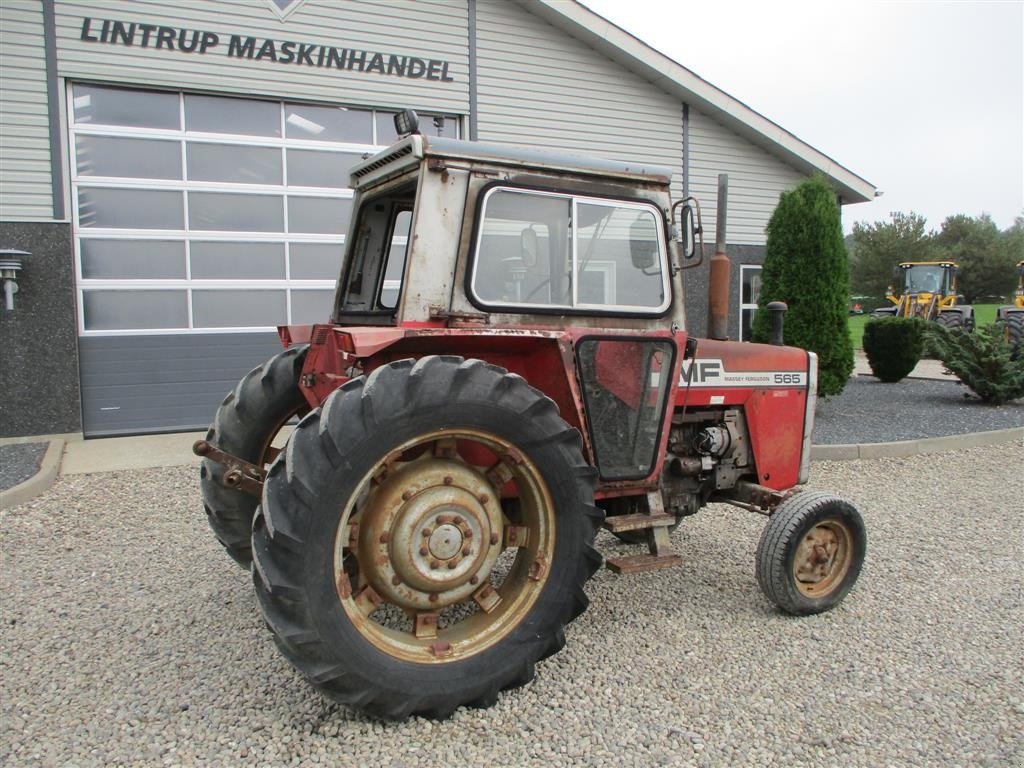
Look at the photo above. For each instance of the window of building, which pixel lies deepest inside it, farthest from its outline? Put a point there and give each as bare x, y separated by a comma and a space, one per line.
561, 252
750, 289
196, 213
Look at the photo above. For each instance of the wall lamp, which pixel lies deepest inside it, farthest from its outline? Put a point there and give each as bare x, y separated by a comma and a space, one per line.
10, 266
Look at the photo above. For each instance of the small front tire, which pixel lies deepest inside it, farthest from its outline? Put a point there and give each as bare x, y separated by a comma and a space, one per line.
811, 553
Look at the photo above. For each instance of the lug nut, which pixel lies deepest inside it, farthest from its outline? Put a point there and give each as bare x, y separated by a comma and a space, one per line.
426, 532
452, 564
466, 550
448, 480
494, 539
474, 579
468, 533
385, 537
396, 580
406, 495
433, 598
482, 498
434, 565
424, 551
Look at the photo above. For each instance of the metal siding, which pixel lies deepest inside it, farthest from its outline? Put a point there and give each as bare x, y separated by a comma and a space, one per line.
756, 179
426, 29
134, 384
25, 194
537, 86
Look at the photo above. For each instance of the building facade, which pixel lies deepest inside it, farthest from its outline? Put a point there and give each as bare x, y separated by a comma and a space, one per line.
178, 171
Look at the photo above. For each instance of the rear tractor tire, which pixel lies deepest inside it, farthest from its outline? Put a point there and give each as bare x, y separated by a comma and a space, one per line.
247, 425
811, 553
391, 563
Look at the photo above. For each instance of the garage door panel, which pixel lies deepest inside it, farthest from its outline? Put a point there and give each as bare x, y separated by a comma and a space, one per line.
137, 384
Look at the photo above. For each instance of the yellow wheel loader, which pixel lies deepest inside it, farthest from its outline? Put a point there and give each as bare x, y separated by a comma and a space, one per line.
1012, 317
927, 289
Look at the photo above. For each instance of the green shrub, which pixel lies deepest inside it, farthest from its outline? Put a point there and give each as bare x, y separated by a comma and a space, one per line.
893, 346
982, 360
805, 265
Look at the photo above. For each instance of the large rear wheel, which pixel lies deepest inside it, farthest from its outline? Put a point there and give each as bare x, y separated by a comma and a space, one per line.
426, 538
249, 425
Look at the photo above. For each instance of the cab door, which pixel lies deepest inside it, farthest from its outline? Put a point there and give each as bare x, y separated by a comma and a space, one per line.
626, 382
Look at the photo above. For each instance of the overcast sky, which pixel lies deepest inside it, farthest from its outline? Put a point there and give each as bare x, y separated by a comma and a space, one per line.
925, 100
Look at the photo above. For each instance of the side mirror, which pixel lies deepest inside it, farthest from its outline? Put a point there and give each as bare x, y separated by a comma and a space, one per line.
689, 233
528, 246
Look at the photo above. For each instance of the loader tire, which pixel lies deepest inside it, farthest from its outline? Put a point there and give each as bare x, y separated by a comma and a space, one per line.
383, 560
246, 423
1013, 324
811, 553
951, 320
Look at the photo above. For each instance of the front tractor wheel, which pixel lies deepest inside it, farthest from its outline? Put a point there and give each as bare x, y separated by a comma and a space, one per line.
426, 538
811, 553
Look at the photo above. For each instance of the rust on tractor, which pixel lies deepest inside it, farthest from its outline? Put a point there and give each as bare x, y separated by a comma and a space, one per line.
238, 473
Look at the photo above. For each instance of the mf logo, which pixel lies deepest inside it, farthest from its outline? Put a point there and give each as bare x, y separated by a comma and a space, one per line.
284, 8
704, 371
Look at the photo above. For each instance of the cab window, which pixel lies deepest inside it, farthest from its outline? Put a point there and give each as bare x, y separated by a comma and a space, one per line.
551, 251
375, 265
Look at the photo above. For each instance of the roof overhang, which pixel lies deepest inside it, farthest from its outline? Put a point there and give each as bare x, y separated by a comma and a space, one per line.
674, 78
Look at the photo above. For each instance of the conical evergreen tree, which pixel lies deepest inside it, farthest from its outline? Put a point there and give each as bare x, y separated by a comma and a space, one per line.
805, 265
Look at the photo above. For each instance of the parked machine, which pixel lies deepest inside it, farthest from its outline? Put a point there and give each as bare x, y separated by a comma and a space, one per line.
1012, 317
506, 370
927, 289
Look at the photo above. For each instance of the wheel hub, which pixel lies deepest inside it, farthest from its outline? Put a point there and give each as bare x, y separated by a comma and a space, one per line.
430, 534
823, 558
446, 541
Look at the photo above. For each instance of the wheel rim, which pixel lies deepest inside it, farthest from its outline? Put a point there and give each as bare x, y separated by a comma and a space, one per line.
430, 563
823, 558
276, 440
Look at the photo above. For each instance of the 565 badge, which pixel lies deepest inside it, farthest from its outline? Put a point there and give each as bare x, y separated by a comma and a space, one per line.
712, 373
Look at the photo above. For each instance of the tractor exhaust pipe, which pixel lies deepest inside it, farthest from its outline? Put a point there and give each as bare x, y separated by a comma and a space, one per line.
776, 310
718, 284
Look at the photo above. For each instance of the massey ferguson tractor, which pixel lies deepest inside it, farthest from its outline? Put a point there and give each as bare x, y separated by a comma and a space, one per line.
507, 369
927, 290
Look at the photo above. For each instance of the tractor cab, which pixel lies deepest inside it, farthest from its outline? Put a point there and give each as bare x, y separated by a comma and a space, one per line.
507, 235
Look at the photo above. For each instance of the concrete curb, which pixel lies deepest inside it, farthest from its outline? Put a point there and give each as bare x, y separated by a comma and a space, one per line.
49, 467
912, 447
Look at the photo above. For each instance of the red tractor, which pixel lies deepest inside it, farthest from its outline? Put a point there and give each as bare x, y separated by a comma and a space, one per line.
506, 370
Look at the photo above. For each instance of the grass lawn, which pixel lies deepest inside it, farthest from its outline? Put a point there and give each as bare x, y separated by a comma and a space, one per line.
983, 315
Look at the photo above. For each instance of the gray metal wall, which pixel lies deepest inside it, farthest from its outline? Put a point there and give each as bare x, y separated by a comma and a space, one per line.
756, 179
539, 87
430, 29
25, 194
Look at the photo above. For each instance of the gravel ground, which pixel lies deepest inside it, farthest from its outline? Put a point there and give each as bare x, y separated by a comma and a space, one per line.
18, 462
870, 411
129, 639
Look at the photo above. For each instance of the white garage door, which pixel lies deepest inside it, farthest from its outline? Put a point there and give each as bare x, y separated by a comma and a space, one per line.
199, 215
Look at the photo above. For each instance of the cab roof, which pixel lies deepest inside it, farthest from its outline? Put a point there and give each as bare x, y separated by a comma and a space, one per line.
409, 151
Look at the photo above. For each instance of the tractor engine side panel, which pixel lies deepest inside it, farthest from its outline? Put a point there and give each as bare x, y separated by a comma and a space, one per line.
770, 383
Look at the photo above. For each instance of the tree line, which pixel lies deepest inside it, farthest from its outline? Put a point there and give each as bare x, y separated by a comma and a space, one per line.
987, 256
